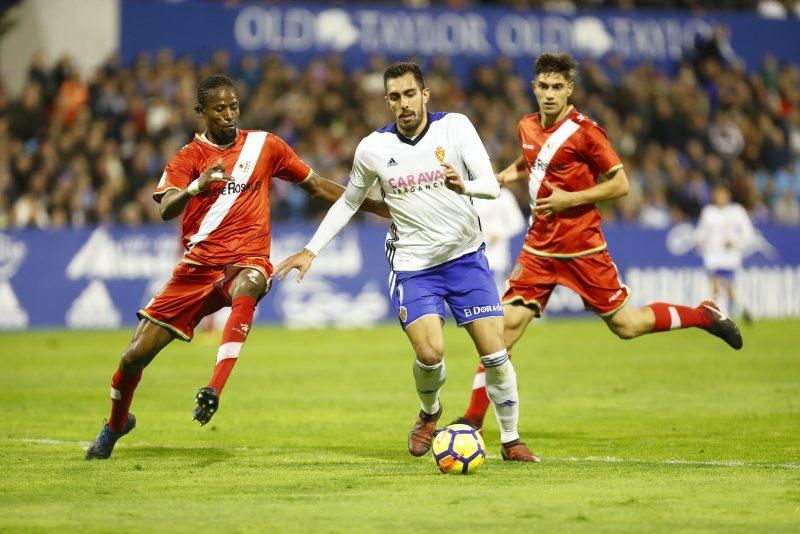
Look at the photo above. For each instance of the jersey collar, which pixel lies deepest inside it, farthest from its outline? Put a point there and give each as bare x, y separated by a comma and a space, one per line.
202, 137
407, 140
570, 111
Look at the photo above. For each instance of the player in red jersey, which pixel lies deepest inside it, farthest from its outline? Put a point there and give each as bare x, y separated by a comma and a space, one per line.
570, 166
220, 184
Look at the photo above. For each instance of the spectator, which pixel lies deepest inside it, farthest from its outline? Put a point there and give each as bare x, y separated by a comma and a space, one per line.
725, 136
787, 208
108, 138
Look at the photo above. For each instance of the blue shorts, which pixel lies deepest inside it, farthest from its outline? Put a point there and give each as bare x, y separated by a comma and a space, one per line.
725, 274
465, 283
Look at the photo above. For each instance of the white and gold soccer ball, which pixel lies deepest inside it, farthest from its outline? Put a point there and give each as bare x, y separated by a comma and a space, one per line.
458, 449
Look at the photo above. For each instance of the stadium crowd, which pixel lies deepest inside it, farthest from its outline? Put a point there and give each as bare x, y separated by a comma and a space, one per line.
77, 151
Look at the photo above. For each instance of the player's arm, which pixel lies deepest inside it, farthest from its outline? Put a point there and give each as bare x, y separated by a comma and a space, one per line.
473, 155
484, 186
174, 201
513, 173
329, 191
337, 217
614, 186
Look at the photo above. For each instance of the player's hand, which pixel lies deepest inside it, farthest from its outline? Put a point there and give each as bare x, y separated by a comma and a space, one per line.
559, 200
215, 173
452, 180
207, 405
300, 261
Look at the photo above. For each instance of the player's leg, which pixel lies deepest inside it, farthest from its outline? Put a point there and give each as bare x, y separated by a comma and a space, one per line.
727, 286
727, 281
737, 308
721, 291
595, 278
628, 323
427, 339
417, 299
501, 385
173, 313
516, 318
529, 287
715, 286
473, 299
147, 342
245, 287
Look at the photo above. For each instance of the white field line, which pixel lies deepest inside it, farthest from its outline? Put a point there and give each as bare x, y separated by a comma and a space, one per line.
572, 459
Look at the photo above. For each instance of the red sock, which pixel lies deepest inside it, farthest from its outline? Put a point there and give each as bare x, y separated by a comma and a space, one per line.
674, 316
479, 401
122, 387
233, 335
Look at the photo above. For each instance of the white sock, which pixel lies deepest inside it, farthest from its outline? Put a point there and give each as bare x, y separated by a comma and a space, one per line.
501, 386
429, 380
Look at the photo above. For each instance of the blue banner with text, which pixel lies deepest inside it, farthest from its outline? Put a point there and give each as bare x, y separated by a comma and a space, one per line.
99, 277
301, 32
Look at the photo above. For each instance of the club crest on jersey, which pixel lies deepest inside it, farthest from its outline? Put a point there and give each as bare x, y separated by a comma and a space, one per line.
439, 154
391, 163
403, 314
244, 167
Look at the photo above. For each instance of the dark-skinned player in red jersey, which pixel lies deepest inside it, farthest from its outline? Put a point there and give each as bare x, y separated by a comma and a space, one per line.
570, 166
219, 183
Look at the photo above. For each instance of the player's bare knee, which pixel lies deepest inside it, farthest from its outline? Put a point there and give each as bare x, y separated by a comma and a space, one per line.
624, 331
512, 323
138, 354
249, 282
429, 355
133, 360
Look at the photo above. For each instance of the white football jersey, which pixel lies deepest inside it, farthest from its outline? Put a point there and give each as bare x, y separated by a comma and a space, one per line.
722, 235
430, 223
501, 220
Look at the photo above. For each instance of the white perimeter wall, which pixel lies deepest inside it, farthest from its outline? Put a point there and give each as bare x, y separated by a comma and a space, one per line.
87, 30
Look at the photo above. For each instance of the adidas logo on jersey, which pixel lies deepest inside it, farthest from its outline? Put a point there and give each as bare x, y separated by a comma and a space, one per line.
391, 163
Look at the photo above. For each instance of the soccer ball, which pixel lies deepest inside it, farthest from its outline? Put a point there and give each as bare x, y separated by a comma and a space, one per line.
458, 449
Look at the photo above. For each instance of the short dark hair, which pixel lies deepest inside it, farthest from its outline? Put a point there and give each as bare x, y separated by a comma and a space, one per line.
212, 82
557, 63
401, 68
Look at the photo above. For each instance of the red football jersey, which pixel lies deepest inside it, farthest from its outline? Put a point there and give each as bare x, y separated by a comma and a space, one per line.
230, 221
571, 155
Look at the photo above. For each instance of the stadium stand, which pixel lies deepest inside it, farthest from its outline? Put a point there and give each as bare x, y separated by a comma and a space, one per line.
77, 152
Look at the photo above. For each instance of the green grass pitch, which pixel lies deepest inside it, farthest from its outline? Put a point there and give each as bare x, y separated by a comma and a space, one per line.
669, 432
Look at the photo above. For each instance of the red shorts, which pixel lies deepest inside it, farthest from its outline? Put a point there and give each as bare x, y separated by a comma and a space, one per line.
594, 277
195, 291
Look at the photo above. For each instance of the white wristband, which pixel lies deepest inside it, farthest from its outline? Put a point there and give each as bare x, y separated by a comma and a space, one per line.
194, 188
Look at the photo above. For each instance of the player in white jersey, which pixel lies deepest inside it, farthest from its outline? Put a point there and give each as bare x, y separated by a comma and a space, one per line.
434, 246
723, 233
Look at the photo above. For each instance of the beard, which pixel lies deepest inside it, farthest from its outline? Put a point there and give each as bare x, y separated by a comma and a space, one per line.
409, 129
